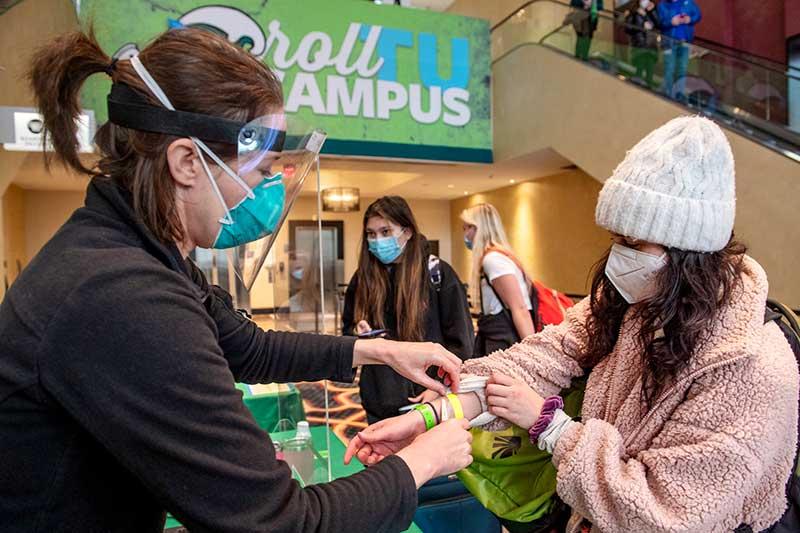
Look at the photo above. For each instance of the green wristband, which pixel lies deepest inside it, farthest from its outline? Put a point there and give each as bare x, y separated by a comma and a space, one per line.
427, 414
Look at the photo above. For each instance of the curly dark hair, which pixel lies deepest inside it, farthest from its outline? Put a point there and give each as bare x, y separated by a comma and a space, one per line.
691, 290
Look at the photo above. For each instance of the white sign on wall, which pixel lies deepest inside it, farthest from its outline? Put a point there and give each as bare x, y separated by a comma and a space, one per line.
28, 132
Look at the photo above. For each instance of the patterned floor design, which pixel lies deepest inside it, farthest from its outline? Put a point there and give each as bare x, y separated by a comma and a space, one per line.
347, 417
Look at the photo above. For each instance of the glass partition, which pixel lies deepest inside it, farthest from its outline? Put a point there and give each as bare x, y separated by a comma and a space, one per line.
296, 291
748, 94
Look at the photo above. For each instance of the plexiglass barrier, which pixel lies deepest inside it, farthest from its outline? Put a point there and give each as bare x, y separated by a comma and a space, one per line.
296, 290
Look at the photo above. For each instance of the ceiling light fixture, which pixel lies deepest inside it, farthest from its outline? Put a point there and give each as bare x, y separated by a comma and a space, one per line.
341, 199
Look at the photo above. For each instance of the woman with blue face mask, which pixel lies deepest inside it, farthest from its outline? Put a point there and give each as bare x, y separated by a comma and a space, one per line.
501, 287
410, 294
118, 359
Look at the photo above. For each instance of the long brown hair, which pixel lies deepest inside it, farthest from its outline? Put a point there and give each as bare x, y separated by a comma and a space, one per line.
199, 71
411, 277
490, 236
691, 290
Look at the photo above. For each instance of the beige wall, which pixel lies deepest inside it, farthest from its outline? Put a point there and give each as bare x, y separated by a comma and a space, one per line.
26, 26
30, 219
550, 223
593, 119
23, 28
492, 10
45, 212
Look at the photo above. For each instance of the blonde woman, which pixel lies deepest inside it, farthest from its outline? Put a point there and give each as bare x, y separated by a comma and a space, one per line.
498, 283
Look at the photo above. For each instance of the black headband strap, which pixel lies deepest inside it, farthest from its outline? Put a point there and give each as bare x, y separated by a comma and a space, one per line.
129, 109
111, 66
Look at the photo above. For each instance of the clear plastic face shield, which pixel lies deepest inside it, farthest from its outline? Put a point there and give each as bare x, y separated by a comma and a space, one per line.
274, 155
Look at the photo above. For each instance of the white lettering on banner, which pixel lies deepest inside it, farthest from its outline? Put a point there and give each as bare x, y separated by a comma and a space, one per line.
456, 100
341, 59
322, 58
379, 99
281, 40
391, 97
305, 92
360, 102
362, 65
364, 96
434, 104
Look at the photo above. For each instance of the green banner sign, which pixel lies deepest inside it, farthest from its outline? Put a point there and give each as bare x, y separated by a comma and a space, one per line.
381, 80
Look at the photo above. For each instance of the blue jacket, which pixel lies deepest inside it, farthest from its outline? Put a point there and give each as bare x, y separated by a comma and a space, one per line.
669, 8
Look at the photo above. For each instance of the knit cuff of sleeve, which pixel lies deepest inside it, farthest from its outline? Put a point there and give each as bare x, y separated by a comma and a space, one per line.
550, 436
345, 371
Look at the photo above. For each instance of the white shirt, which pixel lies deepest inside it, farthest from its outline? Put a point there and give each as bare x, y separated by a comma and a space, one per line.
495, 265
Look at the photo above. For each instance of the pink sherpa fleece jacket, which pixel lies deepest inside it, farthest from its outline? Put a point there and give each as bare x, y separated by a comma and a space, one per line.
713, 452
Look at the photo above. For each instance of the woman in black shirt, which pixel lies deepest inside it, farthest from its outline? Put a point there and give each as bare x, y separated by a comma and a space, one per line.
399, 287
118, 360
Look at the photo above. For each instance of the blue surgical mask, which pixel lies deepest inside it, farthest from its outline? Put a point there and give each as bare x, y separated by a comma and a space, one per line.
256, 217
468, 243
386, 249
297, 273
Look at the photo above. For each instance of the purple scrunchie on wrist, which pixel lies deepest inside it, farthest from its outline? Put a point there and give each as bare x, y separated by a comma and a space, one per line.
551, 405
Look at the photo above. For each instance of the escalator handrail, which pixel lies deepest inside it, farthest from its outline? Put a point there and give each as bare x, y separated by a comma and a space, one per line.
751, 57
613, 16
528, 3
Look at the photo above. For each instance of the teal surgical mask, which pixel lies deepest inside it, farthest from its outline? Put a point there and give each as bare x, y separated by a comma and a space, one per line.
468, 243
297, 273
386, 249
255, 216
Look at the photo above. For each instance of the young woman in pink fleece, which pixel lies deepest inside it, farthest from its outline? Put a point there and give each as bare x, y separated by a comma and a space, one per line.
689, 421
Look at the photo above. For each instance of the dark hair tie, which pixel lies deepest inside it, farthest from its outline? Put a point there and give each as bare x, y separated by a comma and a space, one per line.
111, 66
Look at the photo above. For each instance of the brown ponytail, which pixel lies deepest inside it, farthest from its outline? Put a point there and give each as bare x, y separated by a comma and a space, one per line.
200, 72
56, 76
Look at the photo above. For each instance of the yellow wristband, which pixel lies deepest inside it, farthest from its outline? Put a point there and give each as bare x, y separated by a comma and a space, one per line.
458, 410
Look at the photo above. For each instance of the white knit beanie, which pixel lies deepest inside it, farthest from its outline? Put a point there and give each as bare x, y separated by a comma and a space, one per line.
675, 188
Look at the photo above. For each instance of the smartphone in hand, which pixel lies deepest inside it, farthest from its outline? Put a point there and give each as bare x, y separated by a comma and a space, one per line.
373, 334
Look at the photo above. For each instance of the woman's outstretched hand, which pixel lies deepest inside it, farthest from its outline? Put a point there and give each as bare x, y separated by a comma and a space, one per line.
384, 438
445, 449
411, 360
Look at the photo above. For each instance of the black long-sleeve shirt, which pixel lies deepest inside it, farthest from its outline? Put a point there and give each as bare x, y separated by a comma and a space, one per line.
117, 397
447, 322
